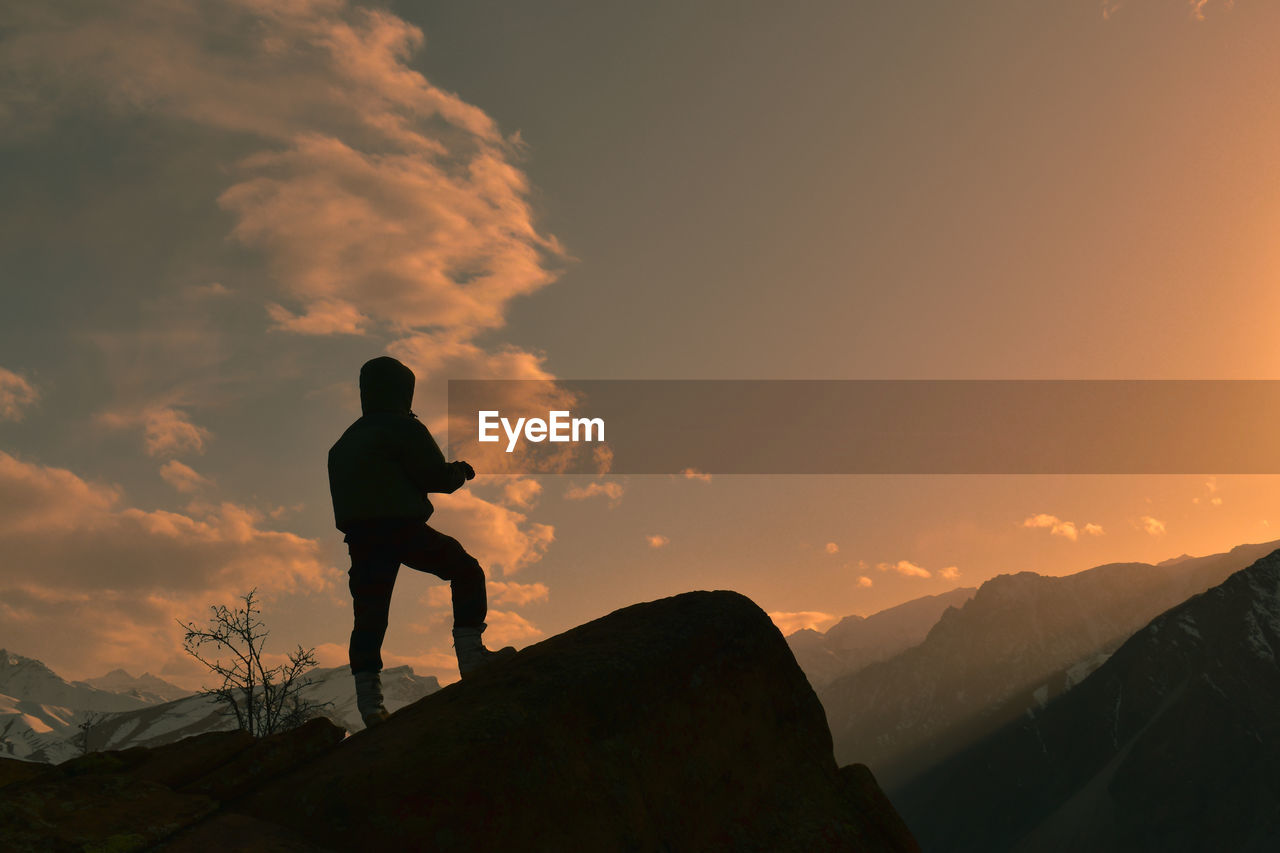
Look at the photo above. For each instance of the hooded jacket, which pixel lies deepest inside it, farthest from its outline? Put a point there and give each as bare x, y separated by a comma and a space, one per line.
386, 462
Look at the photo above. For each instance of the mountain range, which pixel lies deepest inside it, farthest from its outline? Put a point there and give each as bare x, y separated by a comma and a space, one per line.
856, 641
1171, 745
41, 714
1021, 640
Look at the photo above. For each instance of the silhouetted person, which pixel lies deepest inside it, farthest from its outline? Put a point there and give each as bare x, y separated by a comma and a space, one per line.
380, 472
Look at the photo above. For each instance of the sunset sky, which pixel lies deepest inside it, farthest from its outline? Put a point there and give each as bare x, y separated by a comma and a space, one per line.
211, 213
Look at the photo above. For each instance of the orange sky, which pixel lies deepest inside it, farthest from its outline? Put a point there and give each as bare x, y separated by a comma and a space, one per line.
215, 212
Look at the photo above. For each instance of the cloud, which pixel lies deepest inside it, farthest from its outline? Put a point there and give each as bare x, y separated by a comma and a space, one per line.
517, 594
522, 493
500, 538
91, 582
440, 356
499, 592
657, 540
832, 548
865, 582
610, 490
167, 431
905, 568
1058, 527
949, 573
695, 474
1198, 6
17, 395
790, 622
1211, 496
381, 204
1153, 526
182, 477
506, 627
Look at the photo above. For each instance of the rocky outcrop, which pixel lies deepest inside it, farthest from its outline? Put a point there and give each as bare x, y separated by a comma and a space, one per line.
681, 724
135, 798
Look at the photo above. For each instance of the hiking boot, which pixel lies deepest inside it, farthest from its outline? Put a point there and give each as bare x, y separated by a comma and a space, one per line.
472, 655
369, 698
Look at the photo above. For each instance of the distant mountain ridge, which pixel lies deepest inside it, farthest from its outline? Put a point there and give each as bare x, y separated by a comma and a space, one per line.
41, 713
197, 714
1172, 745
144, 686
1021, 640
856, 641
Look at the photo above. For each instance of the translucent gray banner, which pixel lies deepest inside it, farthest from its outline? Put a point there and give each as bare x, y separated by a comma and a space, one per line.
866, 426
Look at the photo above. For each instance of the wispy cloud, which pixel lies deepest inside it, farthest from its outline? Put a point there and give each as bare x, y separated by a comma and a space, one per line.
182, 477
1211, 496
905, 568
949, 573
17, 395
832, 548
501, 538
521, 492
380, 203
657, 540
790, 622
695, 474
1151, 525
499, 592
517, 594
506, 627
166, 431
1058, 527
865, 582
1198, 7
611, 490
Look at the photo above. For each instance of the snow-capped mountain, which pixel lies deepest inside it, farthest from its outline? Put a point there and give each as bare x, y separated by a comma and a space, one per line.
147, 687
1172, 745
41, 713
30, 680
193, 715
1019, 642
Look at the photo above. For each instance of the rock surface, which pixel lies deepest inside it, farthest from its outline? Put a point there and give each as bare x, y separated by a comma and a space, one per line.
680, 724
134, 798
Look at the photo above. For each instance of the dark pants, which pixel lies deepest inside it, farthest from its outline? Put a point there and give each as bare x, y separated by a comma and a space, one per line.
377, 551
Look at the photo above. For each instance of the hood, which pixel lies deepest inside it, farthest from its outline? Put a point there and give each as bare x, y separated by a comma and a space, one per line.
386, 385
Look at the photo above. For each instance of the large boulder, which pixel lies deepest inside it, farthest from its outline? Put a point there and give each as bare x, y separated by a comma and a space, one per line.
681, 724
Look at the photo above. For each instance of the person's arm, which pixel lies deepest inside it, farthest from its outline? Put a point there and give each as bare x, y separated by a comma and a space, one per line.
425, 463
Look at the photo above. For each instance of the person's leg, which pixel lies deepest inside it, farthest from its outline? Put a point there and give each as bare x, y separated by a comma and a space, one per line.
374, 567
372, 579
431, 551
443, 556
